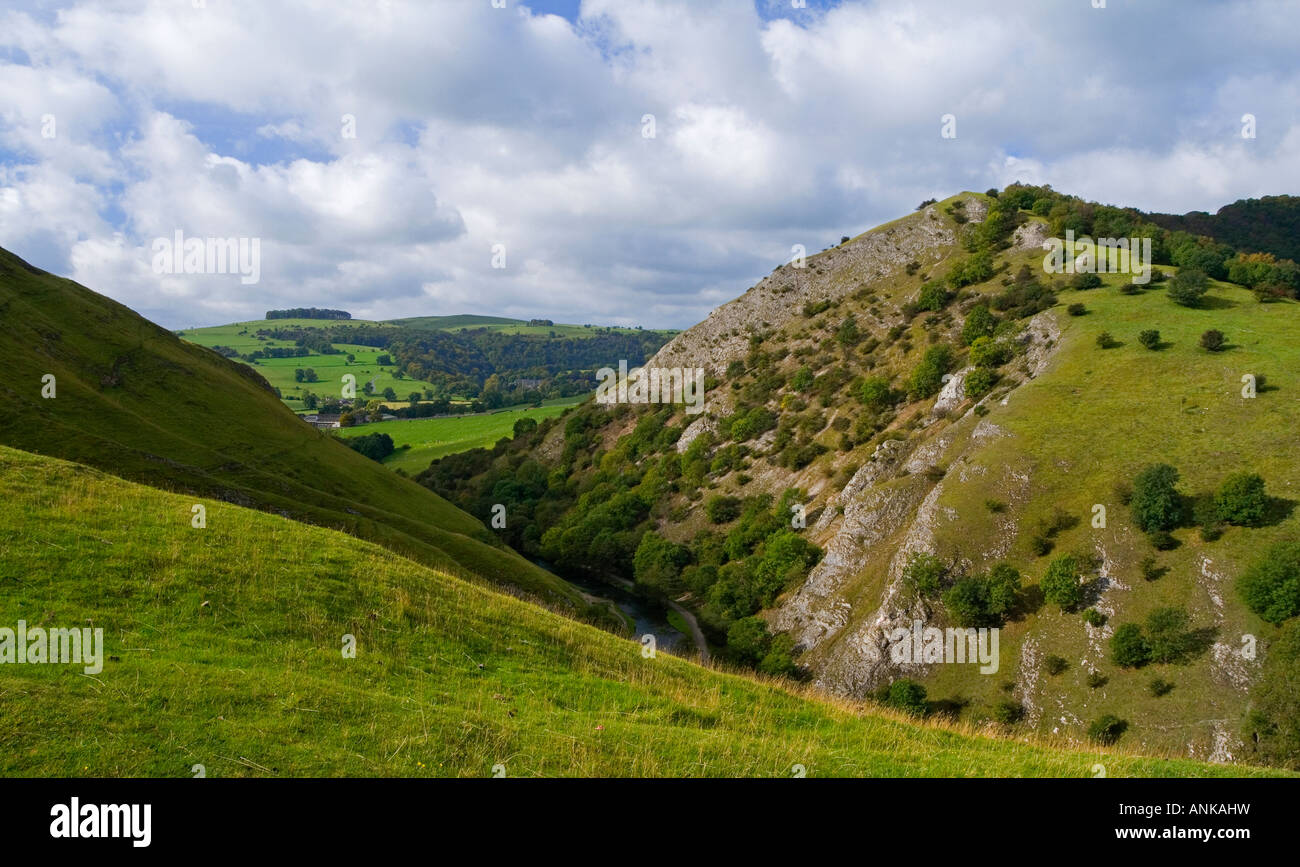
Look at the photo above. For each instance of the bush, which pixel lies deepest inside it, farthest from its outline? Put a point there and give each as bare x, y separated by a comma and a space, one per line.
876, 393
1094, 618
1128, 646
1151, 571
1085, 280
1106, 340
934, 297
1055, 664
1168, 636
927, 379
1008, 712
1188, 287
722, 510
1096, 680
984, 600
980, 382
1077, 310
908, 696
1271, 586
1107, 729
1156, 503
979, 323
986, 352
1241, 500
1060, 584
1159, 687
1150, 338
1213, 340
924, 575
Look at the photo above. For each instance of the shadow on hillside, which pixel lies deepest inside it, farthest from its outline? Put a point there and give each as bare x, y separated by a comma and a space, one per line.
949, 708
1215, 302
1277, 510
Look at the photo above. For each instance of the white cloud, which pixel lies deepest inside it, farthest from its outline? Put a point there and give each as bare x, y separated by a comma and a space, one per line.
477, 126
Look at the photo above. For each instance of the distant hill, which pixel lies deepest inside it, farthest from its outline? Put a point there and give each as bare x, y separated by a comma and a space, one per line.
222, 647
1267, 225
459, 320
136, 401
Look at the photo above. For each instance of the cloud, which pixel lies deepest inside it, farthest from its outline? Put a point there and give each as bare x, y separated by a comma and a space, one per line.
380, 151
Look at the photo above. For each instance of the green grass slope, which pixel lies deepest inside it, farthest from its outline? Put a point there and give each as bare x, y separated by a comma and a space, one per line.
223, 648
139, 402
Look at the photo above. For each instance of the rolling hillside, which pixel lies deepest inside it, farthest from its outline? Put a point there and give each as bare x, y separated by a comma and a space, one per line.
937, 405
223, 648
139, 402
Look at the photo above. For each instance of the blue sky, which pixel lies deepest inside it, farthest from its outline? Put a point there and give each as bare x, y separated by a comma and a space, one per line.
634, 161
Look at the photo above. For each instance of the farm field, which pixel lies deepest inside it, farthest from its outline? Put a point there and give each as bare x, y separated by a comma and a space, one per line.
430, 438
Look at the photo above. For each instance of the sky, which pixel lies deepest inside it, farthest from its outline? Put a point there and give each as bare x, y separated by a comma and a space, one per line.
633, 162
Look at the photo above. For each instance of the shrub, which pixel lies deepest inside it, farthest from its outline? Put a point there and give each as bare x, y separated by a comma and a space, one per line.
984, 600
1107, 729
1008, 712
1150, 338
1156, 503
1096, 680
995, 506
1106, 340
1162, 540
1213, 340
1241, 500
1271, 585
979, 323
876, 393
934, 297
1150, 570
908, 696
1055, 664
722, 509
924, 574
1094, 618
980, 382
927, 379
986, 352
1060, 584
1168, 636
1128, 646
1188, 287
1076, 310
1159, 687
1085, 280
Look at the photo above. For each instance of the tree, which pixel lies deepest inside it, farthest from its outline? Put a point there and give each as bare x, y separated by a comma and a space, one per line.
1273, 722
1168, 636
980, 382
1188, 287
1241, 500
1271, 585
1150, 338
1060, 584
1213, 340
924, 574
390, 394
748, 639
721, 509
984, 600
298, 374
876, 393
413, 398
908, 696
1156, 503
658, 563
927, 379
979, 323
986, 352
934, 297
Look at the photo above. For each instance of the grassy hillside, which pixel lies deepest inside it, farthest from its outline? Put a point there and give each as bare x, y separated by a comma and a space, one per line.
223, 648
848, 387
135, 400
430, 438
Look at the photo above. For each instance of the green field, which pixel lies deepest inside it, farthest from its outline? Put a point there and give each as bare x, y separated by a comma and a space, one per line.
429, 438
223, 647
330, 369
